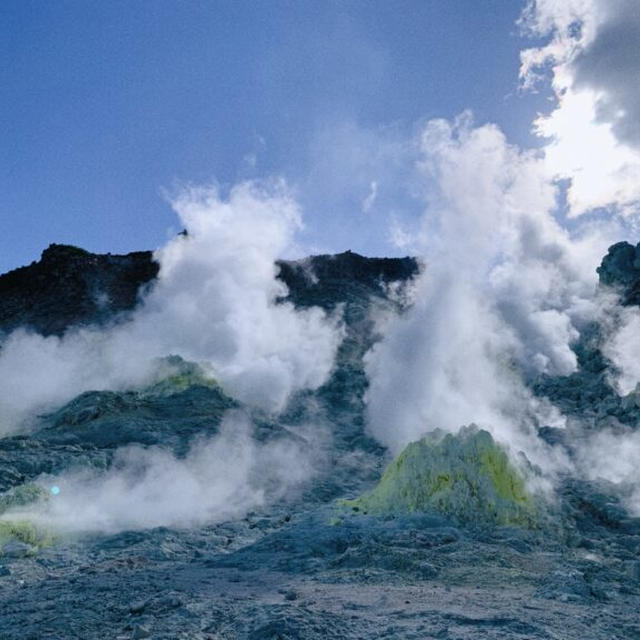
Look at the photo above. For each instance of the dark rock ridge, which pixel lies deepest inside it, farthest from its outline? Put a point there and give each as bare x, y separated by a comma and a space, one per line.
620, 269
70, 286
327, 280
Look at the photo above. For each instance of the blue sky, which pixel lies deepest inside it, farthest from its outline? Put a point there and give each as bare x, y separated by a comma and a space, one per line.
106, 105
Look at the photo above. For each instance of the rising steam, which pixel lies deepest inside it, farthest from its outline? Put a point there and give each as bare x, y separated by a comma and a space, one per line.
504, 294
220, 478
216, 301
510, 281
510, 239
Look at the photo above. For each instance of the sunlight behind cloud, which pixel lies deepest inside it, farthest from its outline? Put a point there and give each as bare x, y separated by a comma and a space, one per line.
589, 60
602, 171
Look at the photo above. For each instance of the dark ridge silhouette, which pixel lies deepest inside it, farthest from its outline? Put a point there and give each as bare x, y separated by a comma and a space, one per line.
70, 286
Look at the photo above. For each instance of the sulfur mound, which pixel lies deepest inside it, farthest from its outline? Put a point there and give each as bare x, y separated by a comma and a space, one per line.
467, 476
175, 375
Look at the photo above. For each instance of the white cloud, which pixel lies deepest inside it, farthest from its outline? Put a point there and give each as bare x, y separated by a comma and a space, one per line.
593, 132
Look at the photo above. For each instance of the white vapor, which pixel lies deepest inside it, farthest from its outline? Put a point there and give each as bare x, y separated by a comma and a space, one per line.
592, 59
613, 457
505, 290
220, 478
215, 302
622, 348
508, 286
367, 203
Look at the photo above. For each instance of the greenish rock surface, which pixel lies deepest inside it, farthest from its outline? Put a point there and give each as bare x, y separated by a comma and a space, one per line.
467, 476
15, 529
23, 532
21, 496
176, 375
181, 401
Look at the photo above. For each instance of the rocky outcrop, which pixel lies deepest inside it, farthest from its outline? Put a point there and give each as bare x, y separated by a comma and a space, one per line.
70, 286
620, 269
328, 280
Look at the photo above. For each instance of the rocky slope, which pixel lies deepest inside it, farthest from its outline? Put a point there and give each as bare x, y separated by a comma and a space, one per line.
308, 565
